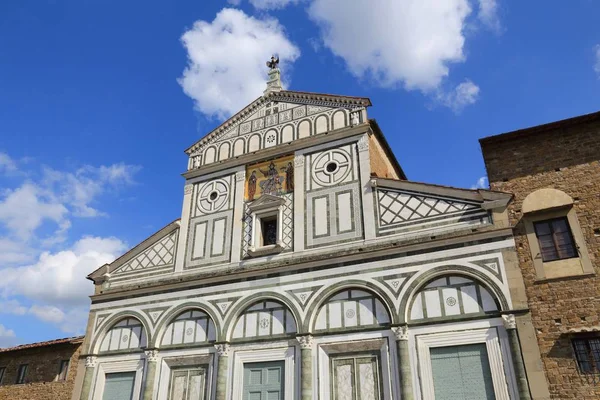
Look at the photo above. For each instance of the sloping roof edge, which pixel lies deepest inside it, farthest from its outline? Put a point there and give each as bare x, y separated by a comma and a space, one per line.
135, 250
69, 340
564, 123
386, 147
286, 94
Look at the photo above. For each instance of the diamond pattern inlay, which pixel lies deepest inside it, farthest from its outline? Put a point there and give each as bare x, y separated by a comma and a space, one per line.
397, 207
161, 253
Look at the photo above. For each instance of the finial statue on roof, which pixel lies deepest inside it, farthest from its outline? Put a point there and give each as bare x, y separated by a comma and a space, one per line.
274, 82
273, 63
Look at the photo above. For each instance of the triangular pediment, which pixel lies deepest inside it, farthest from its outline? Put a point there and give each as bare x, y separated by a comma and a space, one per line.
278, 117
266, 201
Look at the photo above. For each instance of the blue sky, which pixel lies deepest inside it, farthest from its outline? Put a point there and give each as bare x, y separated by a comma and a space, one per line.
98, 100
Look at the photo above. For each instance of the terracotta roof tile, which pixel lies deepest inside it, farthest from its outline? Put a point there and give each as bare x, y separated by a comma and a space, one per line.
73, 340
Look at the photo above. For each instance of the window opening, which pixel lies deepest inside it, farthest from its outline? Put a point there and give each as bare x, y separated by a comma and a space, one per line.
269, 230
555, 239
21, 374
587, 355
331, 167
62, 371
2, 371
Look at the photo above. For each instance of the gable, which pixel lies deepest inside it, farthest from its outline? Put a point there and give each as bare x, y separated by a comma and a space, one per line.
277, 118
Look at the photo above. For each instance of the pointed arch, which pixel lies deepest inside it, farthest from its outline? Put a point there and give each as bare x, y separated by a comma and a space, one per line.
375, 293
206, 322
126, 323
477, 277
248, 304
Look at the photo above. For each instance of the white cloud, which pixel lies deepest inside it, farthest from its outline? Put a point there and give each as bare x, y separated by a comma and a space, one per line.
461, 96
597, 59
7, 164
402, 42
226, 60
488, 15
482, 183
7, 337
12, 307
272, 4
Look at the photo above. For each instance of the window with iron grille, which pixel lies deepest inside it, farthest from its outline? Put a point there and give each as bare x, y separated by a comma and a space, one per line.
555, 239
587, 354
21, 373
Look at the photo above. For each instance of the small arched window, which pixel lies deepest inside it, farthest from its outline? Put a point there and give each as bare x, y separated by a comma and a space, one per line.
352, 308
127, 334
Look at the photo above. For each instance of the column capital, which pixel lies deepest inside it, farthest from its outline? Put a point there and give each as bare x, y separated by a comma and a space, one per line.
151, 355
223, 349
363, 143
240, 176
187, 189
400, 332
306, 341
509, 321
299, 160
91, 361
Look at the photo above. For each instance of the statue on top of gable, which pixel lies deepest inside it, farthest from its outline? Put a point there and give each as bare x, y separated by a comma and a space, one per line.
273, 63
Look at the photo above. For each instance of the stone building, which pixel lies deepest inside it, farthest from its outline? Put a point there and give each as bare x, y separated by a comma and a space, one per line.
306, 266
554, 172
40, 371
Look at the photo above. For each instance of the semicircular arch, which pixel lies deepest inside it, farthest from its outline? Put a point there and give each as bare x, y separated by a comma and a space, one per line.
356, 284
250, 301
422, 280
115, 319
175, 312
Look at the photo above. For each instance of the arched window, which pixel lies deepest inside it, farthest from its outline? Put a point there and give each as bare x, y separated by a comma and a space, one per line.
126, 334
263, 319
352, 308
451, 297
190, 327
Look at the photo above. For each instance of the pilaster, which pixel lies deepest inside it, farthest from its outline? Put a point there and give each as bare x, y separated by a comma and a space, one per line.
306, 382
510, 324
222, 367
238, 215
364, 161
188, 195
90, 369
299, 172
151, 360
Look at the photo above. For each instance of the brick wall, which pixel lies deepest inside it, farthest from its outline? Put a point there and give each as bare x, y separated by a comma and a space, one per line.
43, 366
565, 157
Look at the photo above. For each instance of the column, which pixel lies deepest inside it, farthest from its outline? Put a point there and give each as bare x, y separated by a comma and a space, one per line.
90, 367
222, 367
151, 360
406, 389
510, 324
306, 345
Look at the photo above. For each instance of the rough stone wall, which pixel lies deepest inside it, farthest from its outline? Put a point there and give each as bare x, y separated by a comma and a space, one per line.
380, 165
566, 159
44, 364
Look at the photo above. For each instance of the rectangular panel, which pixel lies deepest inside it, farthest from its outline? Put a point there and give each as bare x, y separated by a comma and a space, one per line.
344, 380
432, 302
416, 312
264, 323
201, 330
218, 238
115, 339
469, 298
345, 214
199, 240
365, 311
277, 322
451, 307
188, 330
320, 212
251, 324
350, 314
367, 379
335, 315
134, 338
178, 332
196, 385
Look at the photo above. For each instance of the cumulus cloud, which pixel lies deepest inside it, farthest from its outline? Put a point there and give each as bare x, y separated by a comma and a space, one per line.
488, 15
7, 337
461, 96
402, 42
226, 60
482, 183
272, 4
597, 59
7, 164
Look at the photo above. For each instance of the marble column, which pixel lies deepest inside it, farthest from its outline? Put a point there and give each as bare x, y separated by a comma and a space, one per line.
151, 361
306, 384
510, 324
90, 368
406, 389
222, 367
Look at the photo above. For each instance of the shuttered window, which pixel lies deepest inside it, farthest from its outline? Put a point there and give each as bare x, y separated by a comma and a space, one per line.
188, 384
555, 239
264, 381
462, 372
119, 386
356, 377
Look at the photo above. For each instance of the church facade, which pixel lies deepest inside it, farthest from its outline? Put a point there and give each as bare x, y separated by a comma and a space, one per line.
306, 266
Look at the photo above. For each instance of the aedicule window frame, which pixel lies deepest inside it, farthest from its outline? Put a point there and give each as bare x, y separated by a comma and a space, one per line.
265, 207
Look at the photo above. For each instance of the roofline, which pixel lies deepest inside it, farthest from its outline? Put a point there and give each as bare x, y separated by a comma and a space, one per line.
564, 123
360, 101
69, 340
386, 147
134, 251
